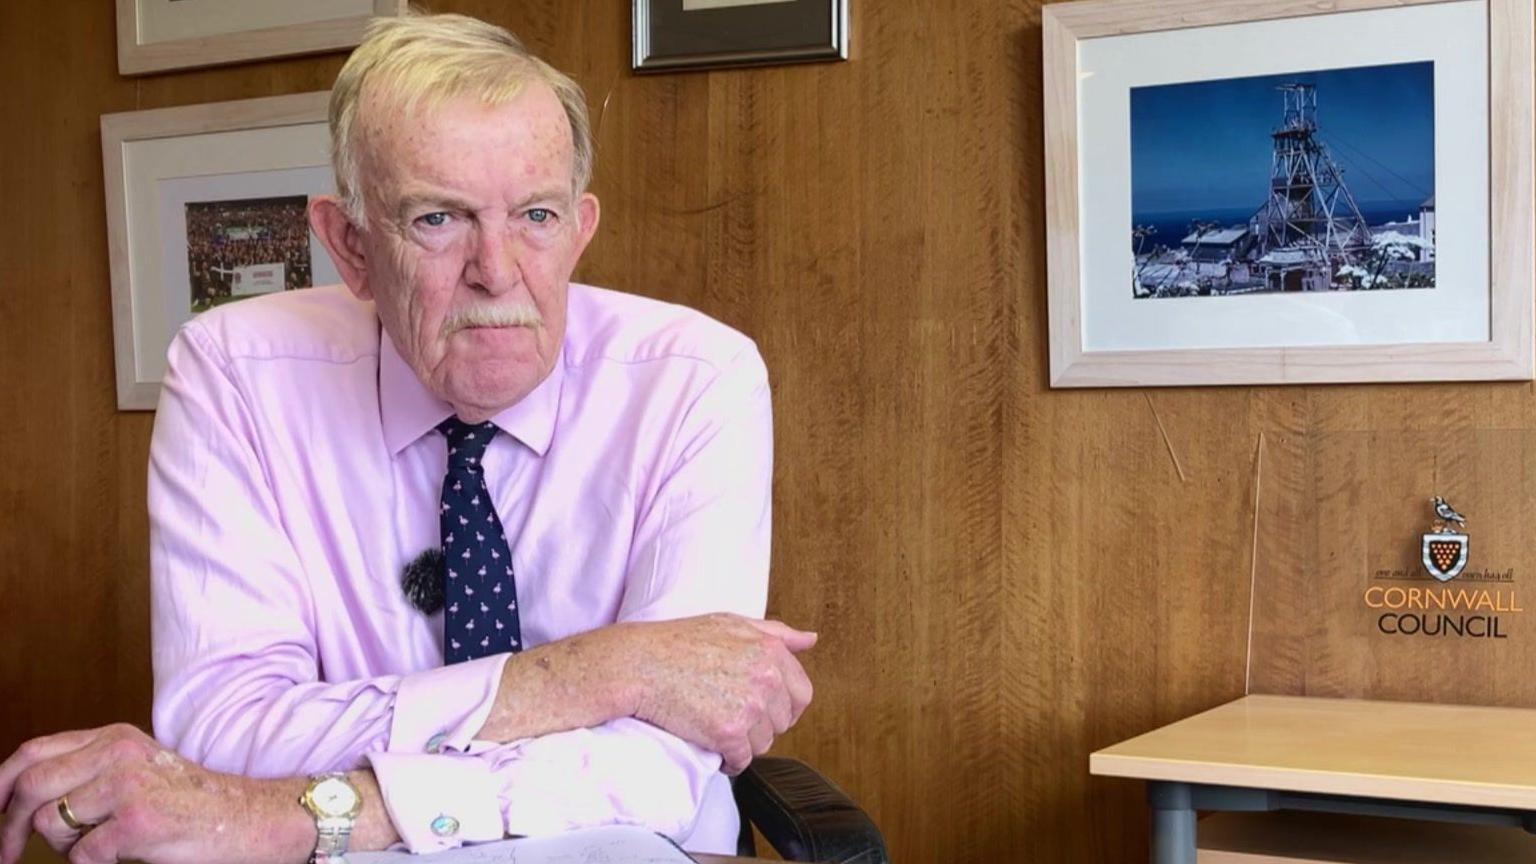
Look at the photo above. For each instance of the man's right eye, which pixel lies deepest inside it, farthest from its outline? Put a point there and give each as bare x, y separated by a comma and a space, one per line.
434, 220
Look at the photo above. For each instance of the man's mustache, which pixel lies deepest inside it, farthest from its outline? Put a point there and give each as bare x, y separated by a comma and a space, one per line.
500, 315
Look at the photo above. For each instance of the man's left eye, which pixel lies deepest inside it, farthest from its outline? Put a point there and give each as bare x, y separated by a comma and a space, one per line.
540, 215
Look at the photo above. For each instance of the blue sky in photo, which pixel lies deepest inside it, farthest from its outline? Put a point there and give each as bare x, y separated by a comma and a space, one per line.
1206, 146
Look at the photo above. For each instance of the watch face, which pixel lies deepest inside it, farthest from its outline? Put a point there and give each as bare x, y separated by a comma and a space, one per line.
334, 797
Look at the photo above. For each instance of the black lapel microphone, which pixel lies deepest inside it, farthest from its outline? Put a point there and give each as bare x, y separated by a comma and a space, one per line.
422, 581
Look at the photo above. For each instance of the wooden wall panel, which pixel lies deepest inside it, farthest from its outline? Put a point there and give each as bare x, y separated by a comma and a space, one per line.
72, 584
1005, 577
1361, 508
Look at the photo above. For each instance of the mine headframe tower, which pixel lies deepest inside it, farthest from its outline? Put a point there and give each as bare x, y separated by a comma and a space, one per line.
1310, 208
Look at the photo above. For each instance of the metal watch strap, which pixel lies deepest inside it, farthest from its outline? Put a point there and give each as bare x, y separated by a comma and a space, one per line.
332, 841
333, 824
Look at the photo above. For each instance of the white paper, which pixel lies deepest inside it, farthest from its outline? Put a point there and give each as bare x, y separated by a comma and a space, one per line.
614, 844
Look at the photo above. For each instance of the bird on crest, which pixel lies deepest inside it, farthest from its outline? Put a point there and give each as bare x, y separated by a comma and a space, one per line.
1447, 512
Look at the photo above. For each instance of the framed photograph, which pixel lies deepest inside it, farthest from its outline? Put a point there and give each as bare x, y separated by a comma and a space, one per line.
154, 35
691, 34
206, 205
1274, 192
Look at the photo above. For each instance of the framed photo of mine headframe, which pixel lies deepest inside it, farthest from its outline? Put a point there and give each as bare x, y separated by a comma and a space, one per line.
1269, 192
155, 35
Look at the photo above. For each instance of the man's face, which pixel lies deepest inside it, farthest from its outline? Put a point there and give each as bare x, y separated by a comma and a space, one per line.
473, 231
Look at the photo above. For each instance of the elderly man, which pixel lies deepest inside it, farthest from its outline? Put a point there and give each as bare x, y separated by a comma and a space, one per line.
576, 483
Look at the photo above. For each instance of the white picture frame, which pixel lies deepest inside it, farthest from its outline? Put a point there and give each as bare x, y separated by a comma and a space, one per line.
156, 35
160, 167
1101, 337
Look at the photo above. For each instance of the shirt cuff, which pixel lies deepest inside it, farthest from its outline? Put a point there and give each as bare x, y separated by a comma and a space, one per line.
438, 802
621, 773
440, 710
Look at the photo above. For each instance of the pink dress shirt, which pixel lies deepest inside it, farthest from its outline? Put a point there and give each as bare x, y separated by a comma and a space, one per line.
295, 469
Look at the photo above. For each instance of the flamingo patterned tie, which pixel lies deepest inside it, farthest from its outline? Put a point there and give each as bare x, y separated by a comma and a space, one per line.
480, 593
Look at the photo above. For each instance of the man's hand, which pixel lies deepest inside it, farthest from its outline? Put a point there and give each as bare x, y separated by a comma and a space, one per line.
723, 682
140, 801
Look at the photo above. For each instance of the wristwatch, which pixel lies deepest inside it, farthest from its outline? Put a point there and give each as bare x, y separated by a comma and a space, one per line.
335, 803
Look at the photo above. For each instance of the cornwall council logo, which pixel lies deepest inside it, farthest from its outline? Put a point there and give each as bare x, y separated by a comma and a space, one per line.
1445, 546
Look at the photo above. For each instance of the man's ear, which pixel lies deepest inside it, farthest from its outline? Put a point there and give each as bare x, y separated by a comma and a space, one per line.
587, 215
329, 220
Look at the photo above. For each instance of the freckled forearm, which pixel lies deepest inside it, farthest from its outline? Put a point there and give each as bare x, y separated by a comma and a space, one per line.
574, 683
282, 831
373, 831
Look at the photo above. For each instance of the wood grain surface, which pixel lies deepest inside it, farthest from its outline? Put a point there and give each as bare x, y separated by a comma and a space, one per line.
1005, 577
1343, 519
1330, 838
1404, 751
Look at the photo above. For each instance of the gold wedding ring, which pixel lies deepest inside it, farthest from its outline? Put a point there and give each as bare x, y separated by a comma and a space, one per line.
68, 816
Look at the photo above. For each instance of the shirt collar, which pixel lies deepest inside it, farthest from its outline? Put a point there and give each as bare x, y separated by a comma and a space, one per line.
408, 410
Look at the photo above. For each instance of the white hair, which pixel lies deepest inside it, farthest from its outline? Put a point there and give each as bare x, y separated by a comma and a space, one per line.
517, 314
418, 61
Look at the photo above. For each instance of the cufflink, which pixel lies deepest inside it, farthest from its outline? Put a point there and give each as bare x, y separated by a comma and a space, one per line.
436, 742
445, 826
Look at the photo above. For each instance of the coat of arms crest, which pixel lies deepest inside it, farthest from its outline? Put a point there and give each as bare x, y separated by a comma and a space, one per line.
1445, 545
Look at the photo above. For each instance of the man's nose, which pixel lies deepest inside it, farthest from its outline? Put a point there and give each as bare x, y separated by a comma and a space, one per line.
492, 262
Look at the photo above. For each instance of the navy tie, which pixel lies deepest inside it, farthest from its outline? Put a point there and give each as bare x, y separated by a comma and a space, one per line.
479, 590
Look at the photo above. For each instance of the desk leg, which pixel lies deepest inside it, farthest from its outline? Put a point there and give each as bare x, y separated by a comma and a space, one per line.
1173, 823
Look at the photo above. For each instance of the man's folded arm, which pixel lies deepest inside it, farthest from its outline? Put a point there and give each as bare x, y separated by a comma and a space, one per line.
700, 547
237, 679
624, 772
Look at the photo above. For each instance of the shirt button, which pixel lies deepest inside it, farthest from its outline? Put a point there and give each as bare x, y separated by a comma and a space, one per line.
435, 743
445, 826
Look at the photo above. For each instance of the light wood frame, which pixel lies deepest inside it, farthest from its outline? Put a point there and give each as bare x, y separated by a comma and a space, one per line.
135, 57
135, 393
1506, 356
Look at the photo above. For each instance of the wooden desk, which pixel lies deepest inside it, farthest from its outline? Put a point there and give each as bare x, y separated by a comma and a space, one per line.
1289, 837
1439, 762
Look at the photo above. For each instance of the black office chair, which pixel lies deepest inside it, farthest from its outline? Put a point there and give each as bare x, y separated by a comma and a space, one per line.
803, 815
